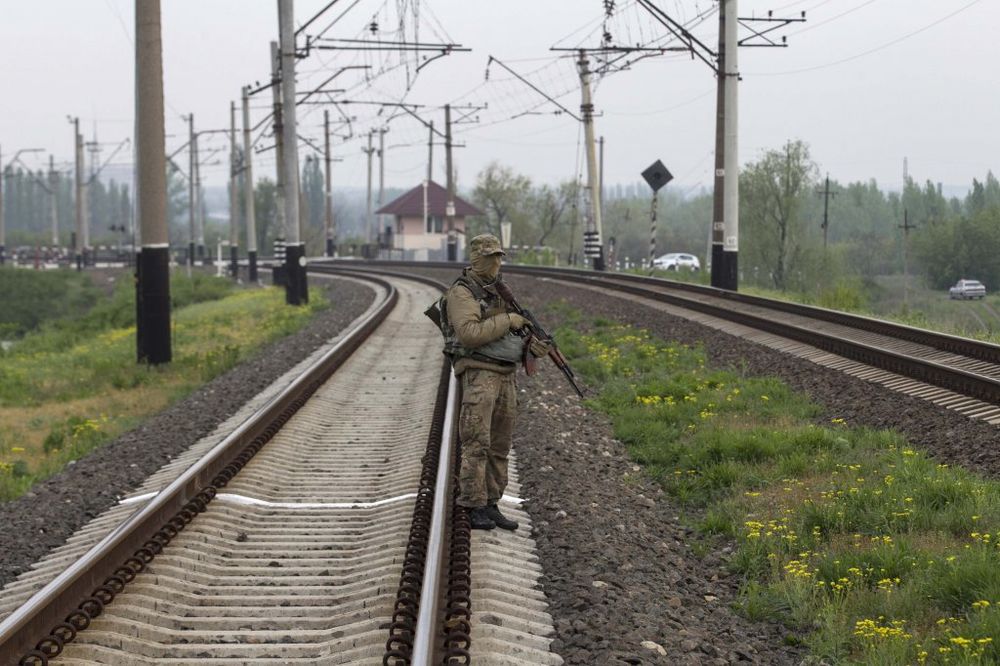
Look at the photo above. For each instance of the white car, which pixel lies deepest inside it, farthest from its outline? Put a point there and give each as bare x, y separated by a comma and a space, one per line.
677, 260
967, 289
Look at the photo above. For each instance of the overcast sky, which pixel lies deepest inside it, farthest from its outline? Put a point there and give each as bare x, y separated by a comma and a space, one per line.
864, 82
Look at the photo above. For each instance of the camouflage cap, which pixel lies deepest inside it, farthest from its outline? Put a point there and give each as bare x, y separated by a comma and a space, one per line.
484, 245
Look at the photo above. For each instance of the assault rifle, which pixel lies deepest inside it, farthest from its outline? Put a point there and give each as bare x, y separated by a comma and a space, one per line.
537, 332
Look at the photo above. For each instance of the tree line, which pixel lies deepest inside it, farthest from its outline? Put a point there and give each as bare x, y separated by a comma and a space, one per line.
781, 224
781, 215
27, 207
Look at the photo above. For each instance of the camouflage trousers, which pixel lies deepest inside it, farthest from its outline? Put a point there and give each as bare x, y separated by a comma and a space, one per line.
485, 427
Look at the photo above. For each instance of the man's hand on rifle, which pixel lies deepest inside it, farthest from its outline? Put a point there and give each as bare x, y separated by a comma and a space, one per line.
539, 348
517, 322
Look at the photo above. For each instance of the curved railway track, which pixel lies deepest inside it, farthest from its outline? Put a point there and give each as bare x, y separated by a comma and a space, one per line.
958, 373
320, 529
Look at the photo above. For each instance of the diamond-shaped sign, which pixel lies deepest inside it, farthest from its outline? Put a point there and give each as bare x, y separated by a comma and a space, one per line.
657, 175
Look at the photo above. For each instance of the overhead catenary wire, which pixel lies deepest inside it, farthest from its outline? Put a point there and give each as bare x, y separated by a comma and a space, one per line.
868, 52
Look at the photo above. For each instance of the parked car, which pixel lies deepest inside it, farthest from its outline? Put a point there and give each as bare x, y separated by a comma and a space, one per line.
964, 289
677, 260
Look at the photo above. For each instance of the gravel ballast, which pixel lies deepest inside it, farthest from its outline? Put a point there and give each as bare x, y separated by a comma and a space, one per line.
42, 519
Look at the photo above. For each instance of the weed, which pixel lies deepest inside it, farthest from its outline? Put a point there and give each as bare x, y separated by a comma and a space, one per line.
869, 550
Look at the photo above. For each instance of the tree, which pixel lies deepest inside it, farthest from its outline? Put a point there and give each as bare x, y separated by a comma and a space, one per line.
313, 192
265, 213
773, 192
504, 195
553, 208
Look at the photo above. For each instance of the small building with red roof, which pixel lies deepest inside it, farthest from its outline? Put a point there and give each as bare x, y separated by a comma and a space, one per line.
420, 230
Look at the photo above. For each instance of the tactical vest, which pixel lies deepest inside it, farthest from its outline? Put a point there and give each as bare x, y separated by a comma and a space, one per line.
508, 349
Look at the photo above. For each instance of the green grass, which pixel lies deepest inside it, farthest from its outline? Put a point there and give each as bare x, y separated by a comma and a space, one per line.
868, 551
31, 298
65, 391
882, 298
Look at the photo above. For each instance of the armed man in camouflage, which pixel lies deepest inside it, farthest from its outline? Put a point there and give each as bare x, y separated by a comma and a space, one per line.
481, 341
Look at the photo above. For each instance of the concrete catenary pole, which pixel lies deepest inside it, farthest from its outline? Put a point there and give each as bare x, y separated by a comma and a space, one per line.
192, 160
153, 272
279, 152
718, 236
296, 291
368, 206
248, 191
234, 197
600, 175
78, 195
381, 180
89, 255
328, 188
731, 202
53, 198
593, 245
449, 206
199, 208
430, 151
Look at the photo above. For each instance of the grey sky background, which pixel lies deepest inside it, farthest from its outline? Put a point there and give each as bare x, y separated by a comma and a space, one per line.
862, 102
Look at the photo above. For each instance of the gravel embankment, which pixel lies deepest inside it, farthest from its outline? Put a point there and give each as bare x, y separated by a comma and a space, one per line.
594, 523
42, 519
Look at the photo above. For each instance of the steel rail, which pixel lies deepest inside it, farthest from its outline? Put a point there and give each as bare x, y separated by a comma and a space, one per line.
41, 625
956, 379
419, 645
977, 349
424, 644
984, 351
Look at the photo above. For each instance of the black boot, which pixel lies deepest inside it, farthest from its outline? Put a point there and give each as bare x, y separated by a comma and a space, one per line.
504, 523
479, 519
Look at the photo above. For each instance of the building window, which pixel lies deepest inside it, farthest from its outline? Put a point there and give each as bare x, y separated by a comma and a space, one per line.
434, 224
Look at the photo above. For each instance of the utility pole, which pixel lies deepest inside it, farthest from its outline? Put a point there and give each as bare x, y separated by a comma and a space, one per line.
600, 177
234, 197
368, 210
906, 226
381, 180
328, 190
89, 198
593, 246
430, 151
827, 193
53, 206
731, 163
279, 149
449, 208
199, 211
296, 289
248, 191
192, 165
78, 192
153, 267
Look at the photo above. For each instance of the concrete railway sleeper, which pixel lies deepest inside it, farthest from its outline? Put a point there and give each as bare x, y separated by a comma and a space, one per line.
284, 553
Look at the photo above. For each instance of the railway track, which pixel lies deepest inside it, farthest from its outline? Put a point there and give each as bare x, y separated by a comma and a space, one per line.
320, 529
958, 373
